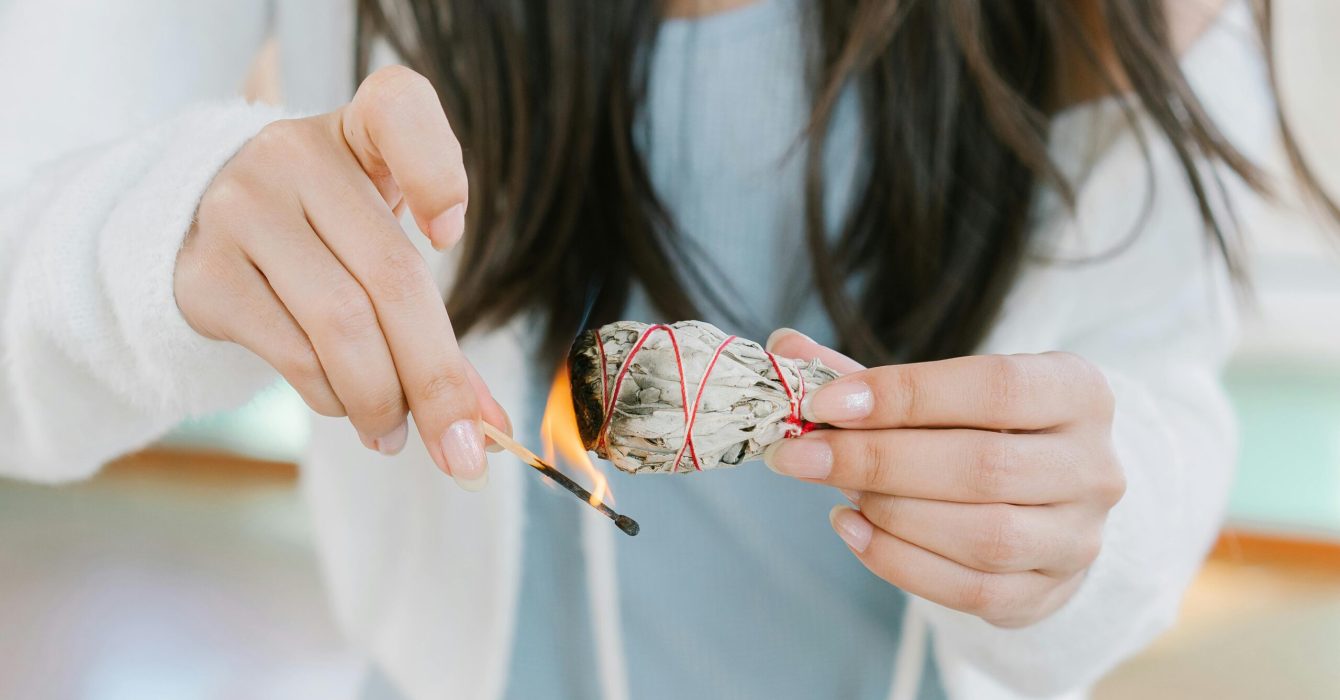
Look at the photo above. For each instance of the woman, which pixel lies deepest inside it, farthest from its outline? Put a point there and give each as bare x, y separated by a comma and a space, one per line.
937, 183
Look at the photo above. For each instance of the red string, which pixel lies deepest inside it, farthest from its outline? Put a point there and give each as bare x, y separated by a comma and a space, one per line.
797, 424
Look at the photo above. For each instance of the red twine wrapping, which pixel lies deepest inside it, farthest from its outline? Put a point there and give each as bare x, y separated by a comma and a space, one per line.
797, 425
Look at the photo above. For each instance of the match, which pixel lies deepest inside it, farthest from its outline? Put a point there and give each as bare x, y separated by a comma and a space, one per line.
623, 522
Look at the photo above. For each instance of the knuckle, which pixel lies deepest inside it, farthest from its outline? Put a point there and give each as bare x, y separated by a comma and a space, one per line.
393, 88
401, 275
1105, 402
1088, 547
875, 459
227, 195
384, 405
450, 381
1012, 620
1085, 377
201, 269
350, 314
394, 78
1111, 486
1006, 383
301, 366
996, 461
1005, 542
280, 136
907, 382
982, 595
884, 511
325, 406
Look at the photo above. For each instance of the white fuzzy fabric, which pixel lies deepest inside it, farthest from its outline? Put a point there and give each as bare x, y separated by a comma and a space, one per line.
97, 358
1159, 319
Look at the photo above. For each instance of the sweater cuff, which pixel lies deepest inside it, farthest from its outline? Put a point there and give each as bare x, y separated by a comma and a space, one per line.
187, 373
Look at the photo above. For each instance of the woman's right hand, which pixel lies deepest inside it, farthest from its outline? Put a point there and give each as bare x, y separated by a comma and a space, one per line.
298, 255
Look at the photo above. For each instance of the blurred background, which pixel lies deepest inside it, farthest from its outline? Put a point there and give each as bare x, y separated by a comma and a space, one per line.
186, 571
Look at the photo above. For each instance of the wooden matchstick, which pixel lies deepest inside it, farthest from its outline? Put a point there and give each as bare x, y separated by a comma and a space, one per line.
623, 522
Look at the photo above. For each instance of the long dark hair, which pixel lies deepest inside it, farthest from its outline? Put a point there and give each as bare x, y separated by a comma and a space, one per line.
544, 95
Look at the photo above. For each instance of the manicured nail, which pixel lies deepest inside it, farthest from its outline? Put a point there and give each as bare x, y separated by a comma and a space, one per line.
447, 228
852, 527
393, 442
780, 333
473, 485
839, 402
803, 458
853, 496
463, 451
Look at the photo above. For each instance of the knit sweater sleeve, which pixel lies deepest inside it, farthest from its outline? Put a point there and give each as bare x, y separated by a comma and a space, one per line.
1145, 295
104, 161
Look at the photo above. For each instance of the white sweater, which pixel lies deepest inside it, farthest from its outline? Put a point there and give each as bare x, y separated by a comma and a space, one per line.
115, 119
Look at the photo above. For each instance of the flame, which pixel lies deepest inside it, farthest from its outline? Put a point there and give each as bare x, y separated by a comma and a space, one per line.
560, 437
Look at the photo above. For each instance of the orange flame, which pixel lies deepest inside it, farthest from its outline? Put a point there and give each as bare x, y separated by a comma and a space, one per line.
558, 429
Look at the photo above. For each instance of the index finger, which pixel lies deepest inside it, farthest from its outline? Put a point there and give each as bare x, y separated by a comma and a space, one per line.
995, 392
433, 372
400, 135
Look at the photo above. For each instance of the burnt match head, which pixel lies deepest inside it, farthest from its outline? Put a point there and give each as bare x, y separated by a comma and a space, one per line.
584, 374
628, 525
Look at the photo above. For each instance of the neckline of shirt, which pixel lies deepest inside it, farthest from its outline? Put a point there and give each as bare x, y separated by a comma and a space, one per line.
730, 25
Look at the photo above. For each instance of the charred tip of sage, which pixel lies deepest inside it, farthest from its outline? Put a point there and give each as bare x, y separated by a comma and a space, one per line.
584, 371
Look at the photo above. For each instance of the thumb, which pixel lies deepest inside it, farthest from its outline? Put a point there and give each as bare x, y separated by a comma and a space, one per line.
789, 342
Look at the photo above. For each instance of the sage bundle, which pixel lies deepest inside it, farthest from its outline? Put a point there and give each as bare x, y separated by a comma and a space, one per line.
684, 397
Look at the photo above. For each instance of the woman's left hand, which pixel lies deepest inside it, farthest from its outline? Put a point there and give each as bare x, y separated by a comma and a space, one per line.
982, 482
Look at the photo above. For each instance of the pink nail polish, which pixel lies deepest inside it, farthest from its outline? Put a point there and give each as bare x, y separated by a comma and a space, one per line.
780, 333
852, 527
803, 458
445, 230
463, 451
393, 442
839, 402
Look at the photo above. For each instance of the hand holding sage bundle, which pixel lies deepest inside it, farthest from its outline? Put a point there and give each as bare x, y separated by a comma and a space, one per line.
684, 397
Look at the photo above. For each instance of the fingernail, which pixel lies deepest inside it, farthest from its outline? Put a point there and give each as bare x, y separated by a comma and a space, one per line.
447, 228
852, 527
779, 334
463, 451
473, 485
853, 496
839, 402
803, 458
393, 442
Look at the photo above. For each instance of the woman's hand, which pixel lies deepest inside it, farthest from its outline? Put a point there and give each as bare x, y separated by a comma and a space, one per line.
297, 255
983, 482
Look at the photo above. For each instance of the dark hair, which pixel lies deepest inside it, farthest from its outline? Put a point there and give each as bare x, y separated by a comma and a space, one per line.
544, 95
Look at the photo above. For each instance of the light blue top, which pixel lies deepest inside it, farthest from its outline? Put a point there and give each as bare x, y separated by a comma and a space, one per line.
737, 587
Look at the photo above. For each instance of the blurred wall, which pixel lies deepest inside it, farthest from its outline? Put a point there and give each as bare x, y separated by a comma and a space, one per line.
1297, 268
